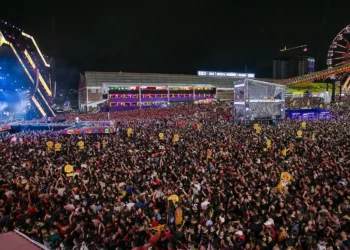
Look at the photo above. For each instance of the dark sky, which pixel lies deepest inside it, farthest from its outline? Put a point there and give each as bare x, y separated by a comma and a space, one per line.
177, 37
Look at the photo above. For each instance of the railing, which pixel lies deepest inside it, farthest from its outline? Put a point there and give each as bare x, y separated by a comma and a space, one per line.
323, 74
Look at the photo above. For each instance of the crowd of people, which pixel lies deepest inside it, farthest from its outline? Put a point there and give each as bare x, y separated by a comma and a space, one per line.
183, 178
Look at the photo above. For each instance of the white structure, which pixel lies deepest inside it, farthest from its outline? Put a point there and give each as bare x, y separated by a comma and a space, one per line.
326, 97
257, 100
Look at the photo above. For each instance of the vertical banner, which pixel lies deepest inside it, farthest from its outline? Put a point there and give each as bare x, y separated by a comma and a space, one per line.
36, 79
54, 90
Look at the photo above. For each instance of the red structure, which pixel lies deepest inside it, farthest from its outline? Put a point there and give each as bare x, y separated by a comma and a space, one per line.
16, 240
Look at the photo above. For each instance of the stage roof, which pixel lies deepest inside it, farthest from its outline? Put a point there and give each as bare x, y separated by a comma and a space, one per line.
144, 85
96, 79
14, 241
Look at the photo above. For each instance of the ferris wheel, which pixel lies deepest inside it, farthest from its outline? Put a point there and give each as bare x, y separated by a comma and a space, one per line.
339, 51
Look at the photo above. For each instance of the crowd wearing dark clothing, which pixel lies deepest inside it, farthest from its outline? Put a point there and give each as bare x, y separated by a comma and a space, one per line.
207, 184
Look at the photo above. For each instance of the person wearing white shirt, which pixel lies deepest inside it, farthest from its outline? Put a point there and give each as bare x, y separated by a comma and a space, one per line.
205, 204
130, 206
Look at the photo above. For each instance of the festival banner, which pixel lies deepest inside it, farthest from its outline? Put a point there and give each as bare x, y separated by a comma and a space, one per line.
157, 228
180, 124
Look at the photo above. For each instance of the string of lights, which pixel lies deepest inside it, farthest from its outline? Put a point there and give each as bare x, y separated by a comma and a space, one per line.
37, 47
317, 75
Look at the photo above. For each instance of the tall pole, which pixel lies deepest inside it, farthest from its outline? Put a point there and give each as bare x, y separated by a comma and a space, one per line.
53, 61
333, 91
140, 95
168, 94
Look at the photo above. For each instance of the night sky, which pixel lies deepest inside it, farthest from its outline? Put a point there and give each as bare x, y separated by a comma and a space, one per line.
177, 37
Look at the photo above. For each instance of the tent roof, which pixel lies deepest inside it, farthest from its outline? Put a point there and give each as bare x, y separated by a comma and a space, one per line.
14, 241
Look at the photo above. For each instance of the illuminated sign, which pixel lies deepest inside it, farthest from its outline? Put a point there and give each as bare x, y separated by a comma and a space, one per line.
265, 100
239, 85
226, 74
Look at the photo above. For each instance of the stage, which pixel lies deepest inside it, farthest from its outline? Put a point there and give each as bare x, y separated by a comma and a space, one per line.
85, 127
5, 127
308, 114
91, 127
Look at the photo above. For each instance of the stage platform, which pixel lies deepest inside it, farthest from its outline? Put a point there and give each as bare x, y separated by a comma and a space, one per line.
86, 127
18, 127
91, 127
5, 127
308, 114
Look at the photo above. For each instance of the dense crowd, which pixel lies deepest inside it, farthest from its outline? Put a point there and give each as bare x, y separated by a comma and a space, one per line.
216, 187
140, 116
